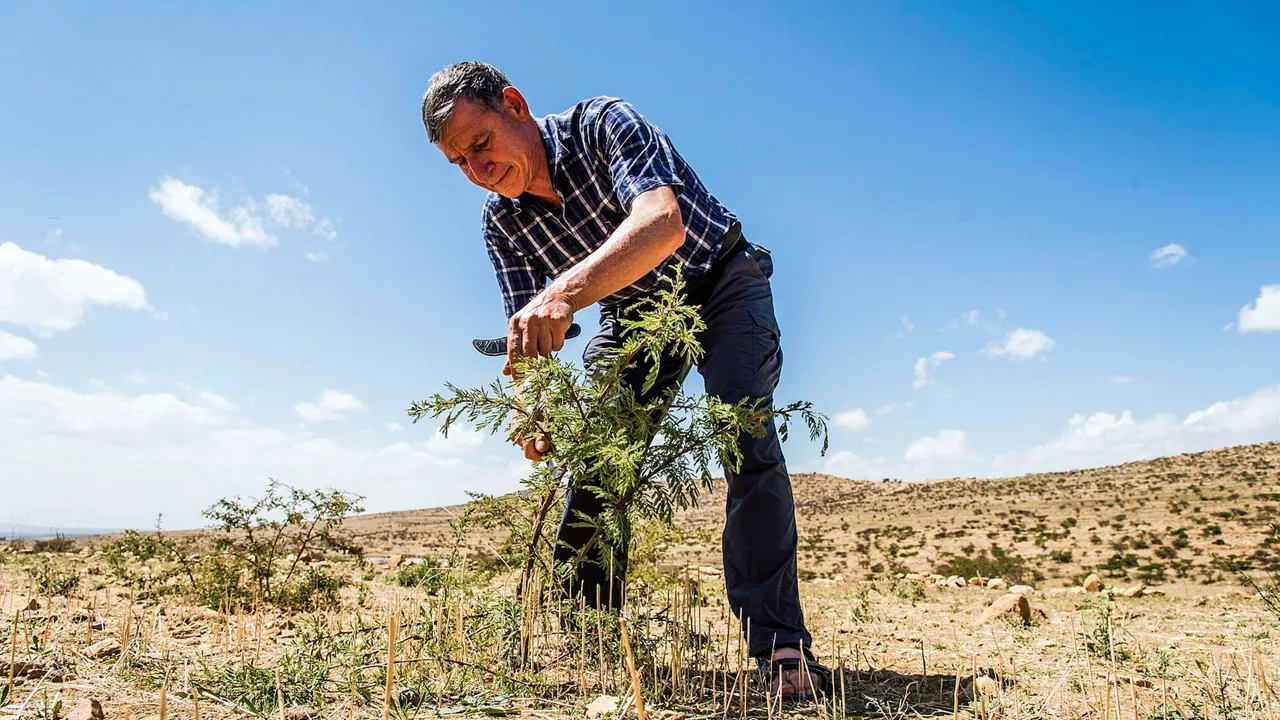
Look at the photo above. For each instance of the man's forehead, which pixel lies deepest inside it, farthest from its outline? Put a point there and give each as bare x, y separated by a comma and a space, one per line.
467, 121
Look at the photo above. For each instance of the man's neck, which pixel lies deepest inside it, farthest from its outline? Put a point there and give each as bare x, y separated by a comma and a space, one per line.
540, 185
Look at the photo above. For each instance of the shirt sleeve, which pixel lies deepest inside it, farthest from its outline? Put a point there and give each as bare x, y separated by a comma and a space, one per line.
518, 278
640, 156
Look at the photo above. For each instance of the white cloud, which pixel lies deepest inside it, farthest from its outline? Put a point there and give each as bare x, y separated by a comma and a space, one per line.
1105, 439
1021, 344
68, 454
290, 212
197, 207
906, 326
332, 405
1263, 314
1168, 256
1122, 379
971, 318
325, 230
925, 364
946, 454
853, 420
14, 347
394, 427
317, 256
946, 445
49, 295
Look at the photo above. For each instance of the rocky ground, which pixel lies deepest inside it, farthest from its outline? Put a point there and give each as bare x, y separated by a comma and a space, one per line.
1081, 595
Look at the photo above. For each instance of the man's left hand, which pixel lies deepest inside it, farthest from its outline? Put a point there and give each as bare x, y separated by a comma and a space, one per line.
538, 329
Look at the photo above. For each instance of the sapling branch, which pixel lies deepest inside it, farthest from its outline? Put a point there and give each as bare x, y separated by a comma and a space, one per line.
643, 456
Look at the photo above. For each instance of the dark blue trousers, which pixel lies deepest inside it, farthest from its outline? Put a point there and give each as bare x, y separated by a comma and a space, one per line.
742, 359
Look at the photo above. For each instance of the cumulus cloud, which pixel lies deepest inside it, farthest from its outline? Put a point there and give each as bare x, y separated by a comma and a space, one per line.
1104, 438
48, 295
197, 207
906, 327
70, 452
333, 405
924, 365
1021, 344
946, 445
243, 225
289, 211
946, 454
1263, 314
15, 347
971, 318
1168, 256
852, 420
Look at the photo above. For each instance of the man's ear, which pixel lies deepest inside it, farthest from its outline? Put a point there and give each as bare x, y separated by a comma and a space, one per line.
515, 103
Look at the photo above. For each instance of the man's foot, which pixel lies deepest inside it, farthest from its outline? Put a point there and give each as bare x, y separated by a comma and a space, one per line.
792, 677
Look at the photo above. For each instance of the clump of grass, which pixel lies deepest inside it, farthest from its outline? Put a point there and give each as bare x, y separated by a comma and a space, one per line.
53, 581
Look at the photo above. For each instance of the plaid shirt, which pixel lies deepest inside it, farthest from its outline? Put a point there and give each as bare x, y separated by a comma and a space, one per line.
602, 154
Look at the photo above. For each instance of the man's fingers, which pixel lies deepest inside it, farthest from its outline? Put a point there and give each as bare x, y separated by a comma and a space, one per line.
513, 341
546, 341
542, 445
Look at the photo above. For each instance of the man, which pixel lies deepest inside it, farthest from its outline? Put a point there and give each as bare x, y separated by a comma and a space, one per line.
597, 201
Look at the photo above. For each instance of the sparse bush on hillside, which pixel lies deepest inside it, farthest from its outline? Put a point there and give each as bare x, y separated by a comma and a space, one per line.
258, 553
988, 564
428, 575
59, 543
1267, 585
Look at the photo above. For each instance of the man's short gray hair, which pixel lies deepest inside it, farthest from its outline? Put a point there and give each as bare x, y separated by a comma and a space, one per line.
479, 82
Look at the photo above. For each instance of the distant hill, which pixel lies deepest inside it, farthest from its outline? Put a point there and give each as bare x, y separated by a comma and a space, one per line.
44, 532
1161, 521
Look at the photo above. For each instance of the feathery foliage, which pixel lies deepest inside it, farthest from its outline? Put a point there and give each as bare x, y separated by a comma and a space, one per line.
646, 458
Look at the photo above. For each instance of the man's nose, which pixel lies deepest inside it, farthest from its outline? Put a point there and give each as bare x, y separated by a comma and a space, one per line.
480, 167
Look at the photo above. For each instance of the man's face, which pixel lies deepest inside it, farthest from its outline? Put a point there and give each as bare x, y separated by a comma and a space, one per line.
492, 148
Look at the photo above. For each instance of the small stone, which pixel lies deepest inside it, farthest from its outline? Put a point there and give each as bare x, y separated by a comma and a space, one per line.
1155, 593
394, 561
1022, 589
913, 576
1136, 591
997, 584
1093, 583
298, 712
976, 581
986, 686
33, 606
102, 648
88, 709
1010, 607
603, 706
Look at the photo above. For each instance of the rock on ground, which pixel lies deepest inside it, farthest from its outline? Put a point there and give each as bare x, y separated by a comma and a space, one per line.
601, 706
1010, 607
88, 709
102, 648
997, 584
1136, 591
1093, 583
394, 561
1022, 589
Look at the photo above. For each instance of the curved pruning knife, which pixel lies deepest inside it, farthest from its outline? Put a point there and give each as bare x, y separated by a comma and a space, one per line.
498, 346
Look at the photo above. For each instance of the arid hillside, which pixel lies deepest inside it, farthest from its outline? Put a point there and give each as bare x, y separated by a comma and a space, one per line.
1161, 522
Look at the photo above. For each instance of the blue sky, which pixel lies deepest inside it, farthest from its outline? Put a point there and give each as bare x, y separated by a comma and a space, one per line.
228, 252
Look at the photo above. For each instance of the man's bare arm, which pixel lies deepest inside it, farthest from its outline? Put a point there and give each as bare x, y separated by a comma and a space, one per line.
650, 234
652, 231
